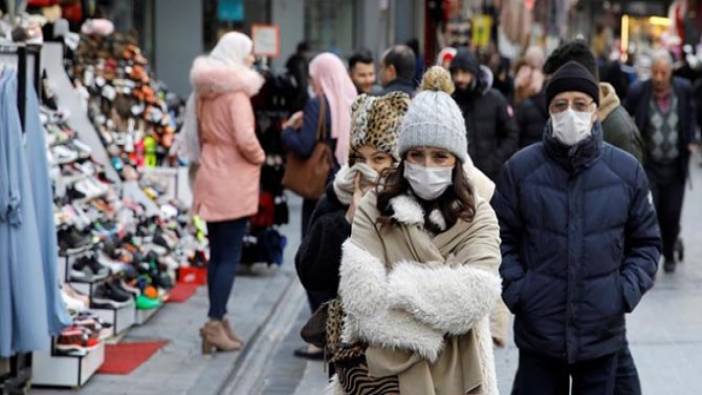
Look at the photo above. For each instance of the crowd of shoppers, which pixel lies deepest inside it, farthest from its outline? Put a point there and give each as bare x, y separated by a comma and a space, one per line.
556, 194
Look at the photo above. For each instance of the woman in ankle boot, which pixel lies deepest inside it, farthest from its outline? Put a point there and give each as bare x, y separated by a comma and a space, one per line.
227, 181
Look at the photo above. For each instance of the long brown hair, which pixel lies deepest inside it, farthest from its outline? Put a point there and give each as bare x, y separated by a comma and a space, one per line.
457, 202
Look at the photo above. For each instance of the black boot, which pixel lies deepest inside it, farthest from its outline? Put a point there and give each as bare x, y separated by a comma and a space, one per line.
669, 266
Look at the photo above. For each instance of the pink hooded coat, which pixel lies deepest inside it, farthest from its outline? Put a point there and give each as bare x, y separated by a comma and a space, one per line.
227, 182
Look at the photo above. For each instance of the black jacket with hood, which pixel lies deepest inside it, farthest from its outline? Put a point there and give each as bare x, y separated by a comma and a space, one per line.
493, 135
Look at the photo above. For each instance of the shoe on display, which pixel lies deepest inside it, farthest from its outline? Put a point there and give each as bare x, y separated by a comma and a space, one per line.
88, 269
73, 304
76, 341
144, 303
63, 155
72, 241
151, 292
106, 297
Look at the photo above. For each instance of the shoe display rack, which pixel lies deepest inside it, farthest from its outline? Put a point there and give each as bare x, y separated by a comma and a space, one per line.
54, 369
121, 315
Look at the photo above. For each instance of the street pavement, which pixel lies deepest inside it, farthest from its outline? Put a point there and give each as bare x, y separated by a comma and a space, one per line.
268, 308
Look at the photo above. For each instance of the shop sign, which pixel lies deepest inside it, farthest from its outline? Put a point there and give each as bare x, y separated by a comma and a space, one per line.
482, 27
230, 10
266, 40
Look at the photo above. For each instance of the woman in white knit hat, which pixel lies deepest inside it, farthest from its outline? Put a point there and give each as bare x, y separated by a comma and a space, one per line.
419, 273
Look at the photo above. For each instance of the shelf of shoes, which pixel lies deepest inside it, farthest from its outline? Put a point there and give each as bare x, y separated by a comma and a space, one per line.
135, 114
111, 245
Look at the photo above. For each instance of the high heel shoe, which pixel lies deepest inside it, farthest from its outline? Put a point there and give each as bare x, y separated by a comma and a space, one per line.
214, 337
230, 332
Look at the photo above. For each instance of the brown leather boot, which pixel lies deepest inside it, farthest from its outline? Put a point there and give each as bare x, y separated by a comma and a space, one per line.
230, 332
214, 338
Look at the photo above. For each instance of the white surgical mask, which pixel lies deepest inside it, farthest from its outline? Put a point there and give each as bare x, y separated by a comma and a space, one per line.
428, 182
571, 127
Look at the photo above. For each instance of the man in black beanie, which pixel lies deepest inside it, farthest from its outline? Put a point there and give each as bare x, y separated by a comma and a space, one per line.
618, 127
580, 247
493, 135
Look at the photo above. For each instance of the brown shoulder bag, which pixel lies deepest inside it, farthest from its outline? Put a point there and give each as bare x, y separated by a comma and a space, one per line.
307, 177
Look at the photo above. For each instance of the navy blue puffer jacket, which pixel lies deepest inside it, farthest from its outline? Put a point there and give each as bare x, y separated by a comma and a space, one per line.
580, 245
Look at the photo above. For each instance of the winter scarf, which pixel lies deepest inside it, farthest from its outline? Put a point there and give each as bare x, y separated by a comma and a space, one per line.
345, 177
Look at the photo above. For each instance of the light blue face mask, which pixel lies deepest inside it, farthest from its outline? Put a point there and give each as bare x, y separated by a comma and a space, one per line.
428, 182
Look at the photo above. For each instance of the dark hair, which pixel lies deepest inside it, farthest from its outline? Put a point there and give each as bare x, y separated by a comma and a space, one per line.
576, 50
402, 58
360, 56
414, 44
303, 46
457, 202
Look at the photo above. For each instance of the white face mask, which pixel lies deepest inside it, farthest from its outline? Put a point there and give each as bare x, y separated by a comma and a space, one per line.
428, 182
571, 127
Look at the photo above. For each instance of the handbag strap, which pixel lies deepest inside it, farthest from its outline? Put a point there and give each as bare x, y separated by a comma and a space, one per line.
322, 120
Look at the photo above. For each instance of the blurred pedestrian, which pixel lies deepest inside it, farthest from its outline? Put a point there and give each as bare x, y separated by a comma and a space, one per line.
297, 67
419, 66
362, 72
530, 97
227, 181
664, 110
580, 247
397, 70
418, 275
529, 79
334, 94
375, 126
618, 127
492, 130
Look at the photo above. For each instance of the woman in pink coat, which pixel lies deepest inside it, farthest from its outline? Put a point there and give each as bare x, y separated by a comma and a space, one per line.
227, 182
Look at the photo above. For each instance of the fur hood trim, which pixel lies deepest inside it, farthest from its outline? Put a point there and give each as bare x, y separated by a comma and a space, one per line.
407, 211
609, 100
211, 78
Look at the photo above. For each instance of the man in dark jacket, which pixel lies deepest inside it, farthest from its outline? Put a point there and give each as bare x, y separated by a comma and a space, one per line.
618, 127
492, 131
397, 70
664, 110
580, 246
532, 115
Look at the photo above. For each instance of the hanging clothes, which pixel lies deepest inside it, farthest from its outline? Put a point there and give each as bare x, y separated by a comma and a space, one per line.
24, 317
35, 148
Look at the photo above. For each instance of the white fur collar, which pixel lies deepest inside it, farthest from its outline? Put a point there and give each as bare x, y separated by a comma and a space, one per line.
407, 210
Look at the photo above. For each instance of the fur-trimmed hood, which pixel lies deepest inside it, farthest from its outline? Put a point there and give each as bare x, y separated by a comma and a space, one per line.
609, 100
211, 78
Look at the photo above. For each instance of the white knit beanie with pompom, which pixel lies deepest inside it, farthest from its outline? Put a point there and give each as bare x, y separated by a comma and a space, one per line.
433, 118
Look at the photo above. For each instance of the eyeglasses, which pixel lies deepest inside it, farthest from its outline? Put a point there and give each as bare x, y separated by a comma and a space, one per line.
578, 105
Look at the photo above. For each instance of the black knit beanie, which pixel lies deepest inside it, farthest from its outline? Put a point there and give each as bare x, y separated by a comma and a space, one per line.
572, 76
465, 60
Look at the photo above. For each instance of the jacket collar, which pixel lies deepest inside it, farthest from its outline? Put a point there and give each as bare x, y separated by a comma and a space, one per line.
609, 100
408, 211
580, 156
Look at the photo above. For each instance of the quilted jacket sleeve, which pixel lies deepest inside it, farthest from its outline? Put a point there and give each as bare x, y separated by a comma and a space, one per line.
643, 243
506, 205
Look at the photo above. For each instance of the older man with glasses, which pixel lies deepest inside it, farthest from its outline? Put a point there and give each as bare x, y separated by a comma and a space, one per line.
580, 247
664, 110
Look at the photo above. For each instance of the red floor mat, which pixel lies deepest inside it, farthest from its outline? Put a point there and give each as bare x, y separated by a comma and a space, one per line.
182, 292
123, 358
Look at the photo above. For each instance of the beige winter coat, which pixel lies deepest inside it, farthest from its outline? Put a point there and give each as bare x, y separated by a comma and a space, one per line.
500, 316
421, 302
